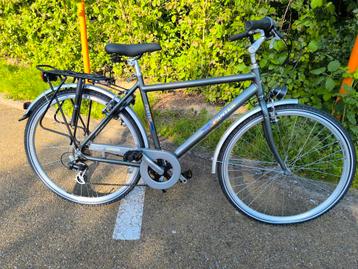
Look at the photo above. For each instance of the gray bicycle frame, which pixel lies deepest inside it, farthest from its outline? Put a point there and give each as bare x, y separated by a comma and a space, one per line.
255, 88
223, 114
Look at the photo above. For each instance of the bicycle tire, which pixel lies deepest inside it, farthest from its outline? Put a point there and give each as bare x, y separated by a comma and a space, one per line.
260, 188
93, 195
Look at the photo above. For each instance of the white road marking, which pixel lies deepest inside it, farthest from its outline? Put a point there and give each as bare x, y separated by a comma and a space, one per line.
129, 218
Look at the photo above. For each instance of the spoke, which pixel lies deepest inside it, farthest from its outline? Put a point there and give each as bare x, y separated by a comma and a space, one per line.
56, 147
257, 180
253, 167
304, 144
267, 184
313, 182
264, 153
318, 171
320, 162
252, 144
333, 153
51, 120
246, 184
316, 150
292, 133
109, 184
321, 141
65, 122
88, 193
256, 161
280, 135
51, 163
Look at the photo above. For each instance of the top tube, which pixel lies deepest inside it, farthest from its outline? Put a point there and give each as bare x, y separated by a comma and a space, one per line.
198, 82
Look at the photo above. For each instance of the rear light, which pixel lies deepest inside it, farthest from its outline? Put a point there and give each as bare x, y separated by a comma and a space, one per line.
26, 105
48, 77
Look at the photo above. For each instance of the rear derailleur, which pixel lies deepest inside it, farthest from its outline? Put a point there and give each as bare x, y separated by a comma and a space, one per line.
82, 168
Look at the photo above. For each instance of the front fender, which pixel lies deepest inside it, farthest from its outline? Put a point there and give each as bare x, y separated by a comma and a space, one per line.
239, 121
94, 88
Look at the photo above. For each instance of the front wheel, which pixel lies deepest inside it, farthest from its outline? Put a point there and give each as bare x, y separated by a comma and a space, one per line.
316, 149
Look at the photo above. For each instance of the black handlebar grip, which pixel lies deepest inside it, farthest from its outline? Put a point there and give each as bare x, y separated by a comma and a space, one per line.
265, 24
238, 36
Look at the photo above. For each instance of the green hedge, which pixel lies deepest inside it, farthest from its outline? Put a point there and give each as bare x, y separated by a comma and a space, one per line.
193, 35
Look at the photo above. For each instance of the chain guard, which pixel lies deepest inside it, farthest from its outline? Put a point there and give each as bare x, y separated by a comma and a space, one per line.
166, 156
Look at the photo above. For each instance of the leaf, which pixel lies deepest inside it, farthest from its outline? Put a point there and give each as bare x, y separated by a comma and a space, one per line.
316, 3
279, 59
318, 71
327, 96
355, 76
313, 46
330, 84
333, 66
352, 118
279, 45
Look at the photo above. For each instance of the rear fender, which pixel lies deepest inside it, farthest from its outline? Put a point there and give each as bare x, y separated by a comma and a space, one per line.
111, 95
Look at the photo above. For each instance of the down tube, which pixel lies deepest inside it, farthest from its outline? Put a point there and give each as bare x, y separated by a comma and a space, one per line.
223, 114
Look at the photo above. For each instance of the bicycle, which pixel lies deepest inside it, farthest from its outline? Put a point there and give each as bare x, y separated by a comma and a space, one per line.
280, 163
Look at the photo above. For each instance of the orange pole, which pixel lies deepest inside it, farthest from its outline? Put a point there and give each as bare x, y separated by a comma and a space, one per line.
83, 30
352, 66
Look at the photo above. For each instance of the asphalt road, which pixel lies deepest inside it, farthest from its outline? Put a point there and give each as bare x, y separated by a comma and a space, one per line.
190, 226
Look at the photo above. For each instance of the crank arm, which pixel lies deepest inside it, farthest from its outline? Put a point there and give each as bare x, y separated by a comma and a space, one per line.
153, 165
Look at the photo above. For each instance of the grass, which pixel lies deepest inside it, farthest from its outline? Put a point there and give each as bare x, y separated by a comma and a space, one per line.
177, 126
20, 82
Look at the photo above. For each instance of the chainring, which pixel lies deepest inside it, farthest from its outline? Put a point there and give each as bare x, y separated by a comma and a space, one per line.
170, 178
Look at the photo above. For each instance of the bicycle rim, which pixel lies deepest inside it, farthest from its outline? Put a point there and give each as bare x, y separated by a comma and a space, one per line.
315, 148
49, 153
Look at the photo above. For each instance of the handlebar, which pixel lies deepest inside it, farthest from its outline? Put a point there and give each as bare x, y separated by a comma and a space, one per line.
239, 36
266, 24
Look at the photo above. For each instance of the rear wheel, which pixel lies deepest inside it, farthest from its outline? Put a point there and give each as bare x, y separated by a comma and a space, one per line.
315, 147
50, 151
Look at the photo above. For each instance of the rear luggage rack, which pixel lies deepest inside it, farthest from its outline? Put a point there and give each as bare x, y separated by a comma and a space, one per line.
51, 73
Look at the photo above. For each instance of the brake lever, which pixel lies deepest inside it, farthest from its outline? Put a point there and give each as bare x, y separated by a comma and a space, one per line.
277, 36
277, 33
273, 40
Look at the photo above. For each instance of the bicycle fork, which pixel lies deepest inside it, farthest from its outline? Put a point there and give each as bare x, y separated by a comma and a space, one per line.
267, 121
269, 136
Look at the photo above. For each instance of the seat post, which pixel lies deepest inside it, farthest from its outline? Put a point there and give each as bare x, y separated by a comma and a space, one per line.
134, 62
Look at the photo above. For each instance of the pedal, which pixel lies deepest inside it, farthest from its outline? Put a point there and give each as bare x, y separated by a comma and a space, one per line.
185, 176
132, 155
